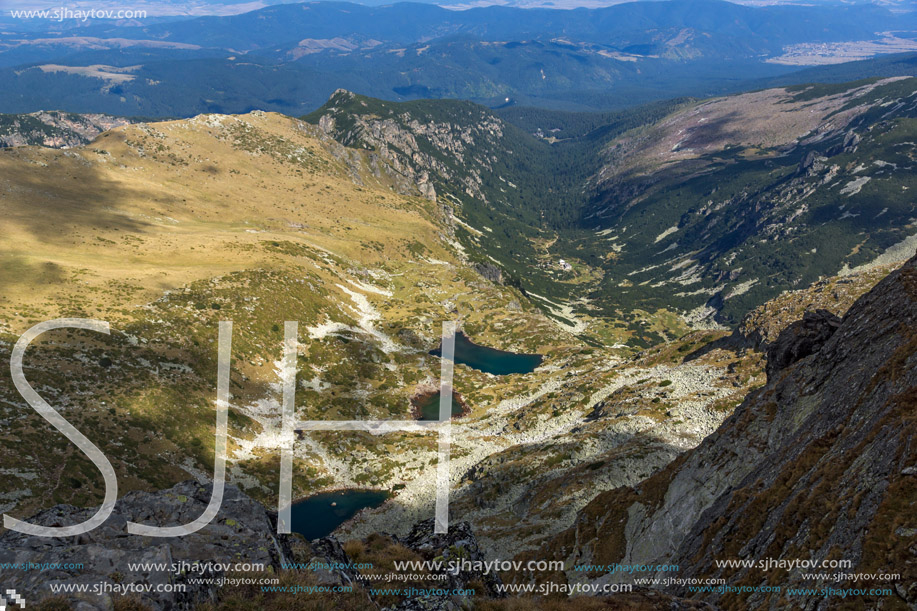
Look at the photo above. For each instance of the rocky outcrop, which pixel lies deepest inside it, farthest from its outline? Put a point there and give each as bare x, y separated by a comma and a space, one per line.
848, 145
761, 327
811, 164
801, 339
457, 546
817, 465
329, 551
490, 272
431, 148
54, 129
243, 532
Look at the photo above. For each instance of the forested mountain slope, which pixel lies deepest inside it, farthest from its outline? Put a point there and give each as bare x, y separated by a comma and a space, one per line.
699, 208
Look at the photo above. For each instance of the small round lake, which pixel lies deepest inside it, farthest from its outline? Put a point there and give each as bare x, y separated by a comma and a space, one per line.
491, 360
317, 516
426, 407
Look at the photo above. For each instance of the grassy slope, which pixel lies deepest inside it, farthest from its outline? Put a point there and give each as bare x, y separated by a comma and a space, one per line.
518, 179
722, 210
163, 230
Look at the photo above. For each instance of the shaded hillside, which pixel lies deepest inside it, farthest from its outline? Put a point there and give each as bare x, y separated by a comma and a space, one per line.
817, 465
732, 201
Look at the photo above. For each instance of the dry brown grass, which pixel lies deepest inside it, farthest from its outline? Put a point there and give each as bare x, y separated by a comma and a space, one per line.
157, 207
760, 121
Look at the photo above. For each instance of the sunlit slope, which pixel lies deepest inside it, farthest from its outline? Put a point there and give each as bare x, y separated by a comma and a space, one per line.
165, 229
153, 207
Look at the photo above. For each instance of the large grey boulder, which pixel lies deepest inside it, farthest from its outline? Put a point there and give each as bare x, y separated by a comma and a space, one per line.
243, 532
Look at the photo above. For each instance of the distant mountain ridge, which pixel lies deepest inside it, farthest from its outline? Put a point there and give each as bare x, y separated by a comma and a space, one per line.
635, 23
170, 9
632, 23
291, 57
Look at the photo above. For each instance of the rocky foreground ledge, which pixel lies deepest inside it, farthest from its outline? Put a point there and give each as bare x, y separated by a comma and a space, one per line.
819, 465
243, 532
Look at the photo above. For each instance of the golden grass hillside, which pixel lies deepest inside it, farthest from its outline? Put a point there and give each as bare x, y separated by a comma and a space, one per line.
165, 229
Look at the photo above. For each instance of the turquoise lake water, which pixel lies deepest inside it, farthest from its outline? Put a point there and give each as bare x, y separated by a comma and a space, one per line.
315, 517
491, 360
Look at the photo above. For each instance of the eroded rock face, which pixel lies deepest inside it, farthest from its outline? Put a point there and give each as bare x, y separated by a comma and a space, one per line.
761, 327
243, 532
817, 464
801, 339
424, 149
490, 272
457, 545
55, 129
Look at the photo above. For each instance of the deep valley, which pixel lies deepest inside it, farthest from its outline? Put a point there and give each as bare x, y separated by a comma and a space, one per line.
686, 331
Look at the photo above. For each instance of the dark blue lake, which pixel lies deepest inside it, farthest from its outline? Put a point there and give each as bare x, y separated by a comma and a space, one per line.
315, 517
426, 407
491, 360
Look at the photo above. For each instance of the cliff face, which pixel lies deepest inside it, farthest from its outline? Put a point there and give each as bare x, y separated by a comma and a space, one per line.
455, 143
819, 464
54, 129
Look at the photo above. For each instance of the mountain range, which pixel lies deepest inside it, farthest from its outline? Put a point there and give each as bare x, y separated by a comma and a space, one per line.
289, 58
694, 225
589, 459
446, 206
192, 8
